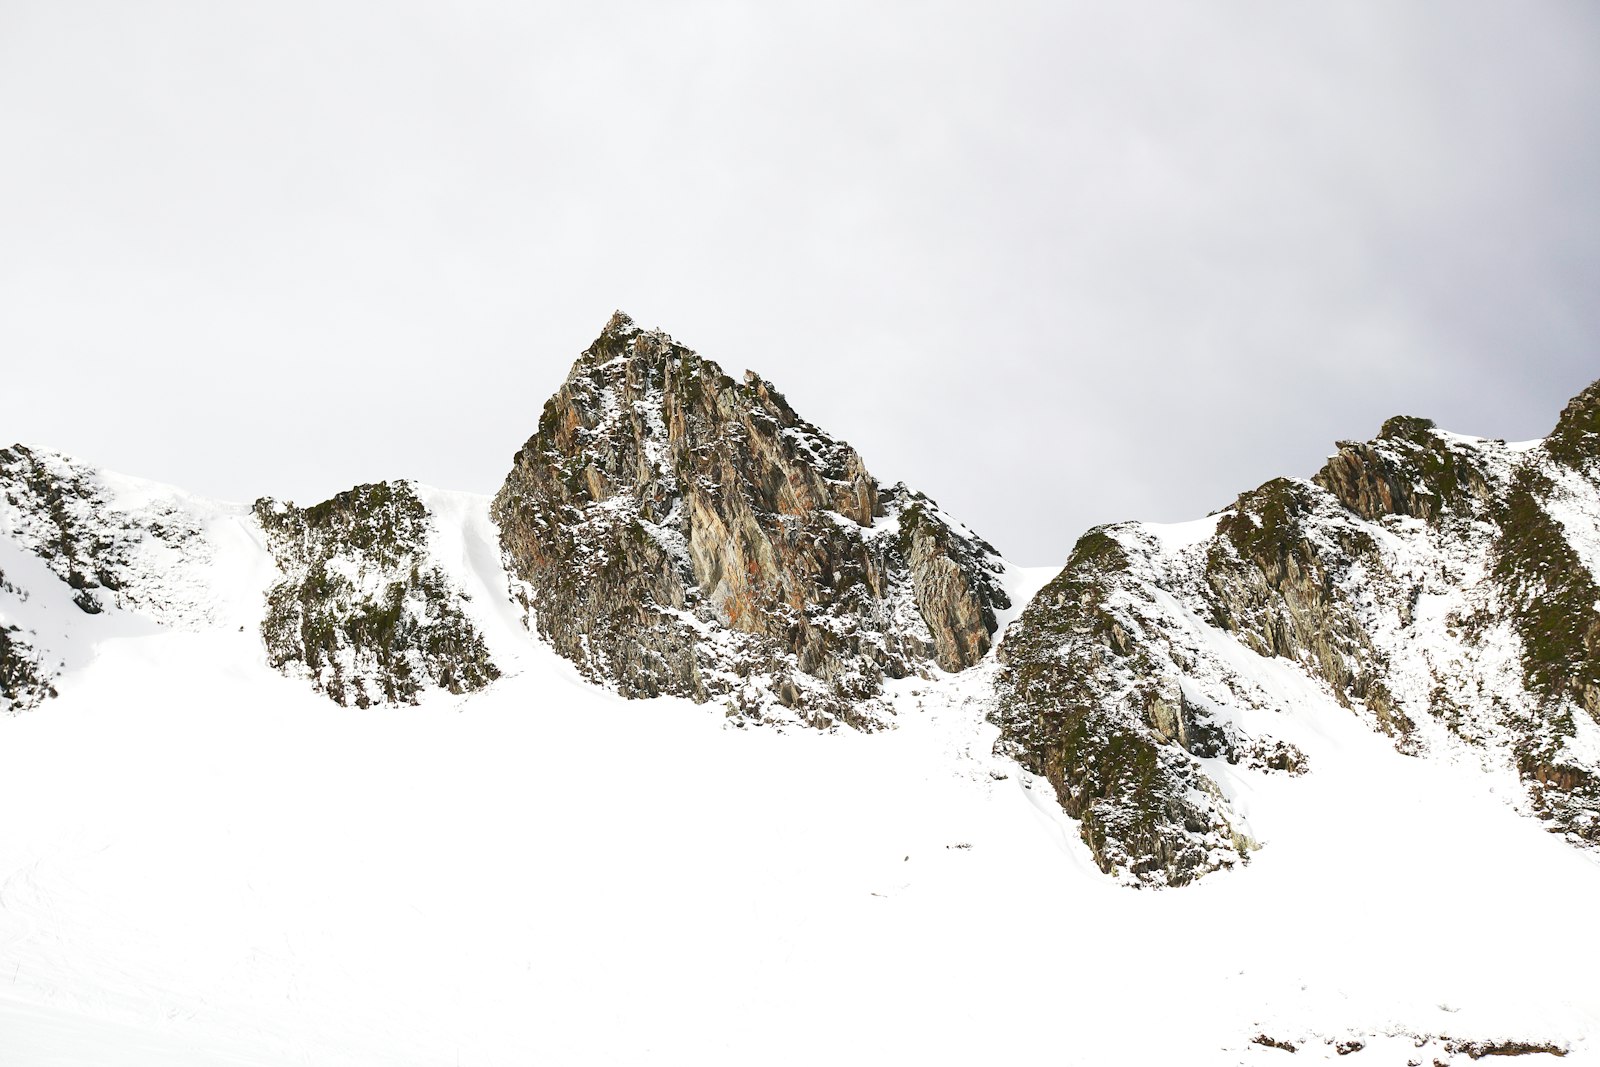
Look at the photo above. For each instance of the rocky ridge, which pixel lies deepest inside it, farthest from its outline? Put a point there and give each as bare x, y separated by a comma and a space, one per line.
672, 530
72, 548
110, 551
1441, 587
360, 608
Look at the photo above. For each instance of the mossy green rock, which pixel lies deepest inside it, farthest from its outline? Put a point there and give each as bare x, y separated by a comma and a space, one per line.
1087, 697
1410, 469
361, 610
1575, 441
1440, 587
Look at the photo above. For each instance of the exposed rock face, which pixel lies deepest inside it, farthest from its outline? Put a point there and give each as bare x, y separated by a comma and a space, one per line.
1083, 706
109, 554
1095, 694
362, 611
672, 530
25, 677
1441, 587
1575, 442
75, 550
1408, 470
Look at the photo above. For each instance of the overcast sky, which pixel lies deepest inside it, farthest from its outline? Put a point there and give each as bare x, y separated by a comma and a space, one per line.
1055, 263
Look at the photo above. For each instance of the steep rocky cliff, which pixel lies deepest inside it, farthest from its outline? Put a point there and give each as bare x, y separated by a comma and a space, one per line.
672, 530
362, 611
1441, 587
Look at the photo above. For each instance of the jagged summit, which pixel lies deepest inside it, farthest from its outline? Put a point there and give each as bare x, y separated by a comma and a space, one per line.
1441, 587
670, 529
1357, 680
673, 530
1575, 441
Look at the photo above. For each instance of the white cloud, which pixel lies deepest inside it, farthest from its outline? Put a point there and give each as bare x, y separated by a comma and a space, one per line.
1053, 263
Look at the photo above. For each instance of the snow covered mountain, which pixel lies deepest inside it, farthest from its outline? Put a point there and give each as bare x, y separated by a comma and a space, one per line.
413, 776
1441, 588
668, 529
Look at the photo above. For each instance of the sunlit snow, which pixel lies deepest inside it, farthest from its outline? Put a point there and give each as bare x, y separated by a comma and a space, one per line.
204, 862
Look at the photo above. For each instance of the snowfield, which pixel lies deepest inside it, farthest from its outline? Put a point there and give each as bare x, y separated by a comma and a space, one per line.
204, 862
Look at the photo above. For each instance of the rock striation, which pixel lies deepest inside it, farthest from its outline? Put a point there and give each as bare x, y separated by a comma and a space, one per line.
672, 530
1441, 587
362, 611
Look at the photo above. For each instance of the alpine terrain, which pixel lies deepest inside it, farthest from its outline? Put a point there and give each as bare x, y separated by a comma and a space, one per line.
695, 742
1440, 588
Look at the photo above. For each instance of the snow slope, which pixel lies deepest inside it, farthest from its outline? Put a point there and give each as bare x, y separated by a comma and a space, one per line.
205, 862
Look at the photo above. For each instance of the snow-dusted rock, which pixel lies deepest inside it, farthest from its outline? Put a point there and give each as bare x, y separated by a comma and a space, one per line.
137, 549
672, 530
1441, 587
363, 610
85, 554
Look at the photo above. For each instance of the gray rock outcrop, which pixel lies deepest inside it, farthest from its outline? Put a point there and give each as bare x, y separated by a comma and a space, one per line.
672, 530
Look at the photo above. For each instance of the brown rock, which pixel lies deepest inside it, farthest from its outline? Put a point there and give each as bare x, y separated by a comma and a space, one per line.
673, 530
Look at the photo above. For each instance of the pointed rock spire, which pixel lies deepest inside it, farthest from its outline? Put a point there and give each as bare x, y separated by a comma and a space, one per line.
673, 530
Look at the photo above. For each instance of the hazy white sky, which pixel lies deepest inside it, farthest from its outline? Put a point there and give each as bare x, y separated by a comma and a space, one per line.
1053, 263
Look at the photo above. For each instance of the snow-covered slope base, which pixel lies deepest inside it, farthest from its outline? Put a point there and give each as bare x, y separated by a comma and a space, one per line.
473, 855
205, 862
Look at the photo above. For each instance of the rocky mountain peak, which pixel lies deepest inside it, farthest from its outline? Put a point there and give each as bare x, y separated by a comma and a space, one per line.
1575, 440
1410, 469
673, 530
1441, 587
619, 324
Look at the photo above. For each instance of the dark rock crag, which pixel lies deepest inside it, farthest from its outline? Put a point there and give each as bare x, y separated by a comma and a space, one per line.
362, 611
25, 678
1442, 587
100, 554
672, 530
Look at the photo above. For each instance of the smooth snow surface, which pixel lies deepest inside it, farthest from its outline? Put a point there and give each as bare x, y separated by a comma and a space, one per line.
203, 862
